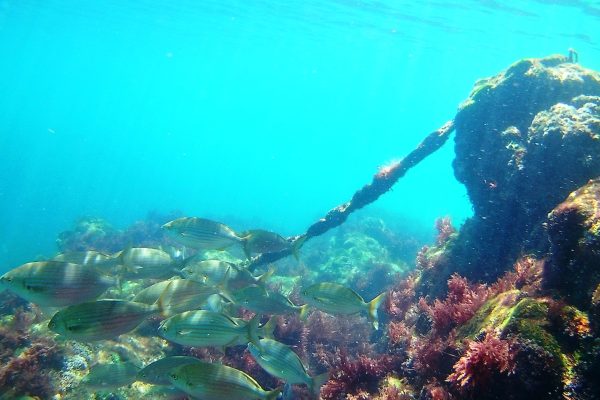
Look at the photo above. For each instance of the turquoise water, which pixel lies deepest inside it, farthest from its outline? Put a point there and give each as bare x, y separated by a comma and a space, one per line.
273, 112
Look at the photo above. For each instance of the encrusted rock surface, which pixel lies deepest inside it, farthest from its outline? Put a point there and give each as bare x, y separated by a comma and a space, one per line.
525, 139
574, 233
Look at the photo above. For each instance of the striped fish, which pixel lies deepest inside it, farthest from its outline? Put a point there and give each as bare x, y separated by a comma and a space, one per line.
207, 328
333, 298
157, 373
145, 262
102, 319
218, 382
89, 257
261, 241
215, 272
281, 362
110, 376
151, 294
183, 295
56, 283
200, 233
258, 299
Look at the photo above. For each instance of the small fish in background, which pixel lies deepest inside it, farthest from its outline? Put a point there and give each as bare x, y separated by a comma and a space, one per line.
57, 283
260, 300
157, 372
102, 319
216, 272
282, 362
144, 262
201, 233
111, 376
218, 382
258, 241
334, 299
204, 328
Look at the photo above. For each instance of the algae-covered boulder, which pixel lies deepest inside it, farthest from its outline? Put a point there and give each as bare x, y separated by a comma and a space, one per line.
540, 354
574, 233
524, 140
595, 310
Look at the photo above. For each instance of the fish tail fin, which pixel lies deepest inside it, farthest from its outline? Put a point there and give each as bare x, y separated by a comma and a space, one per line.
298, 243
226, 294
264, 277
273, 394
267, 329
246, 248
253, 330
304, 312
317, 382
163, 304
373, 306
223, 289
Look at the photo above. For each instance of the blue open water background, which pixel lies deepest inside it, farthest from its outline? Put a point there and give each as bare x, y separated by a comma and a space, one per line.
268, 111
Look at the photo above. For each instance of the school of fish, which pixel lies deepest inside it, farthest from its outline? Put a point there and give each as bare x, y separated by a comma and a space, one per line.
196, 297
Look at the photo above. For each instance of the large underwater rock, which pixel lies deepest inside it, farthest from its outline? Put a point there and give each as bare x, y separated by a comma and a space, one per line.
525, 139
573, 269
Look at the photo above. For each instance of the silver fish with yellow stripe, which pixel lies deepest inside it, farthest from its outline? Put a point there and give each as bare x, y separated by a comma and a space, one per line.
89, 257
145, 262
56, 283
218, 382
333, 298
157, 372
207, 328
201, 233
151, 294
258, 299
217, 272
280, 361
111, 376
102, 319
258, 241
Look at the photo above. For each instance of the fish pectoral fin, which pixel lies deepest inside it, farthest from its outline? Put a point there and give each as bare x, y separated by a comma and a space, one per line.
184, 332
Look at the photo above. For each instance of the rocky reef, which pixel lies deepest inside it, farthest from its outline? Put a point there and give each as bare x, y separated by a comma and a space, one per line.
524, 140
93, 233
506, 307
574, 233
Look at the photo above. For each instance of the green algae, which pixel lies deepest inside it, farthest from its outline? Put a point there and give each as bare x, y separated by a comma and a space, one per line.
526, 318
494, 314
